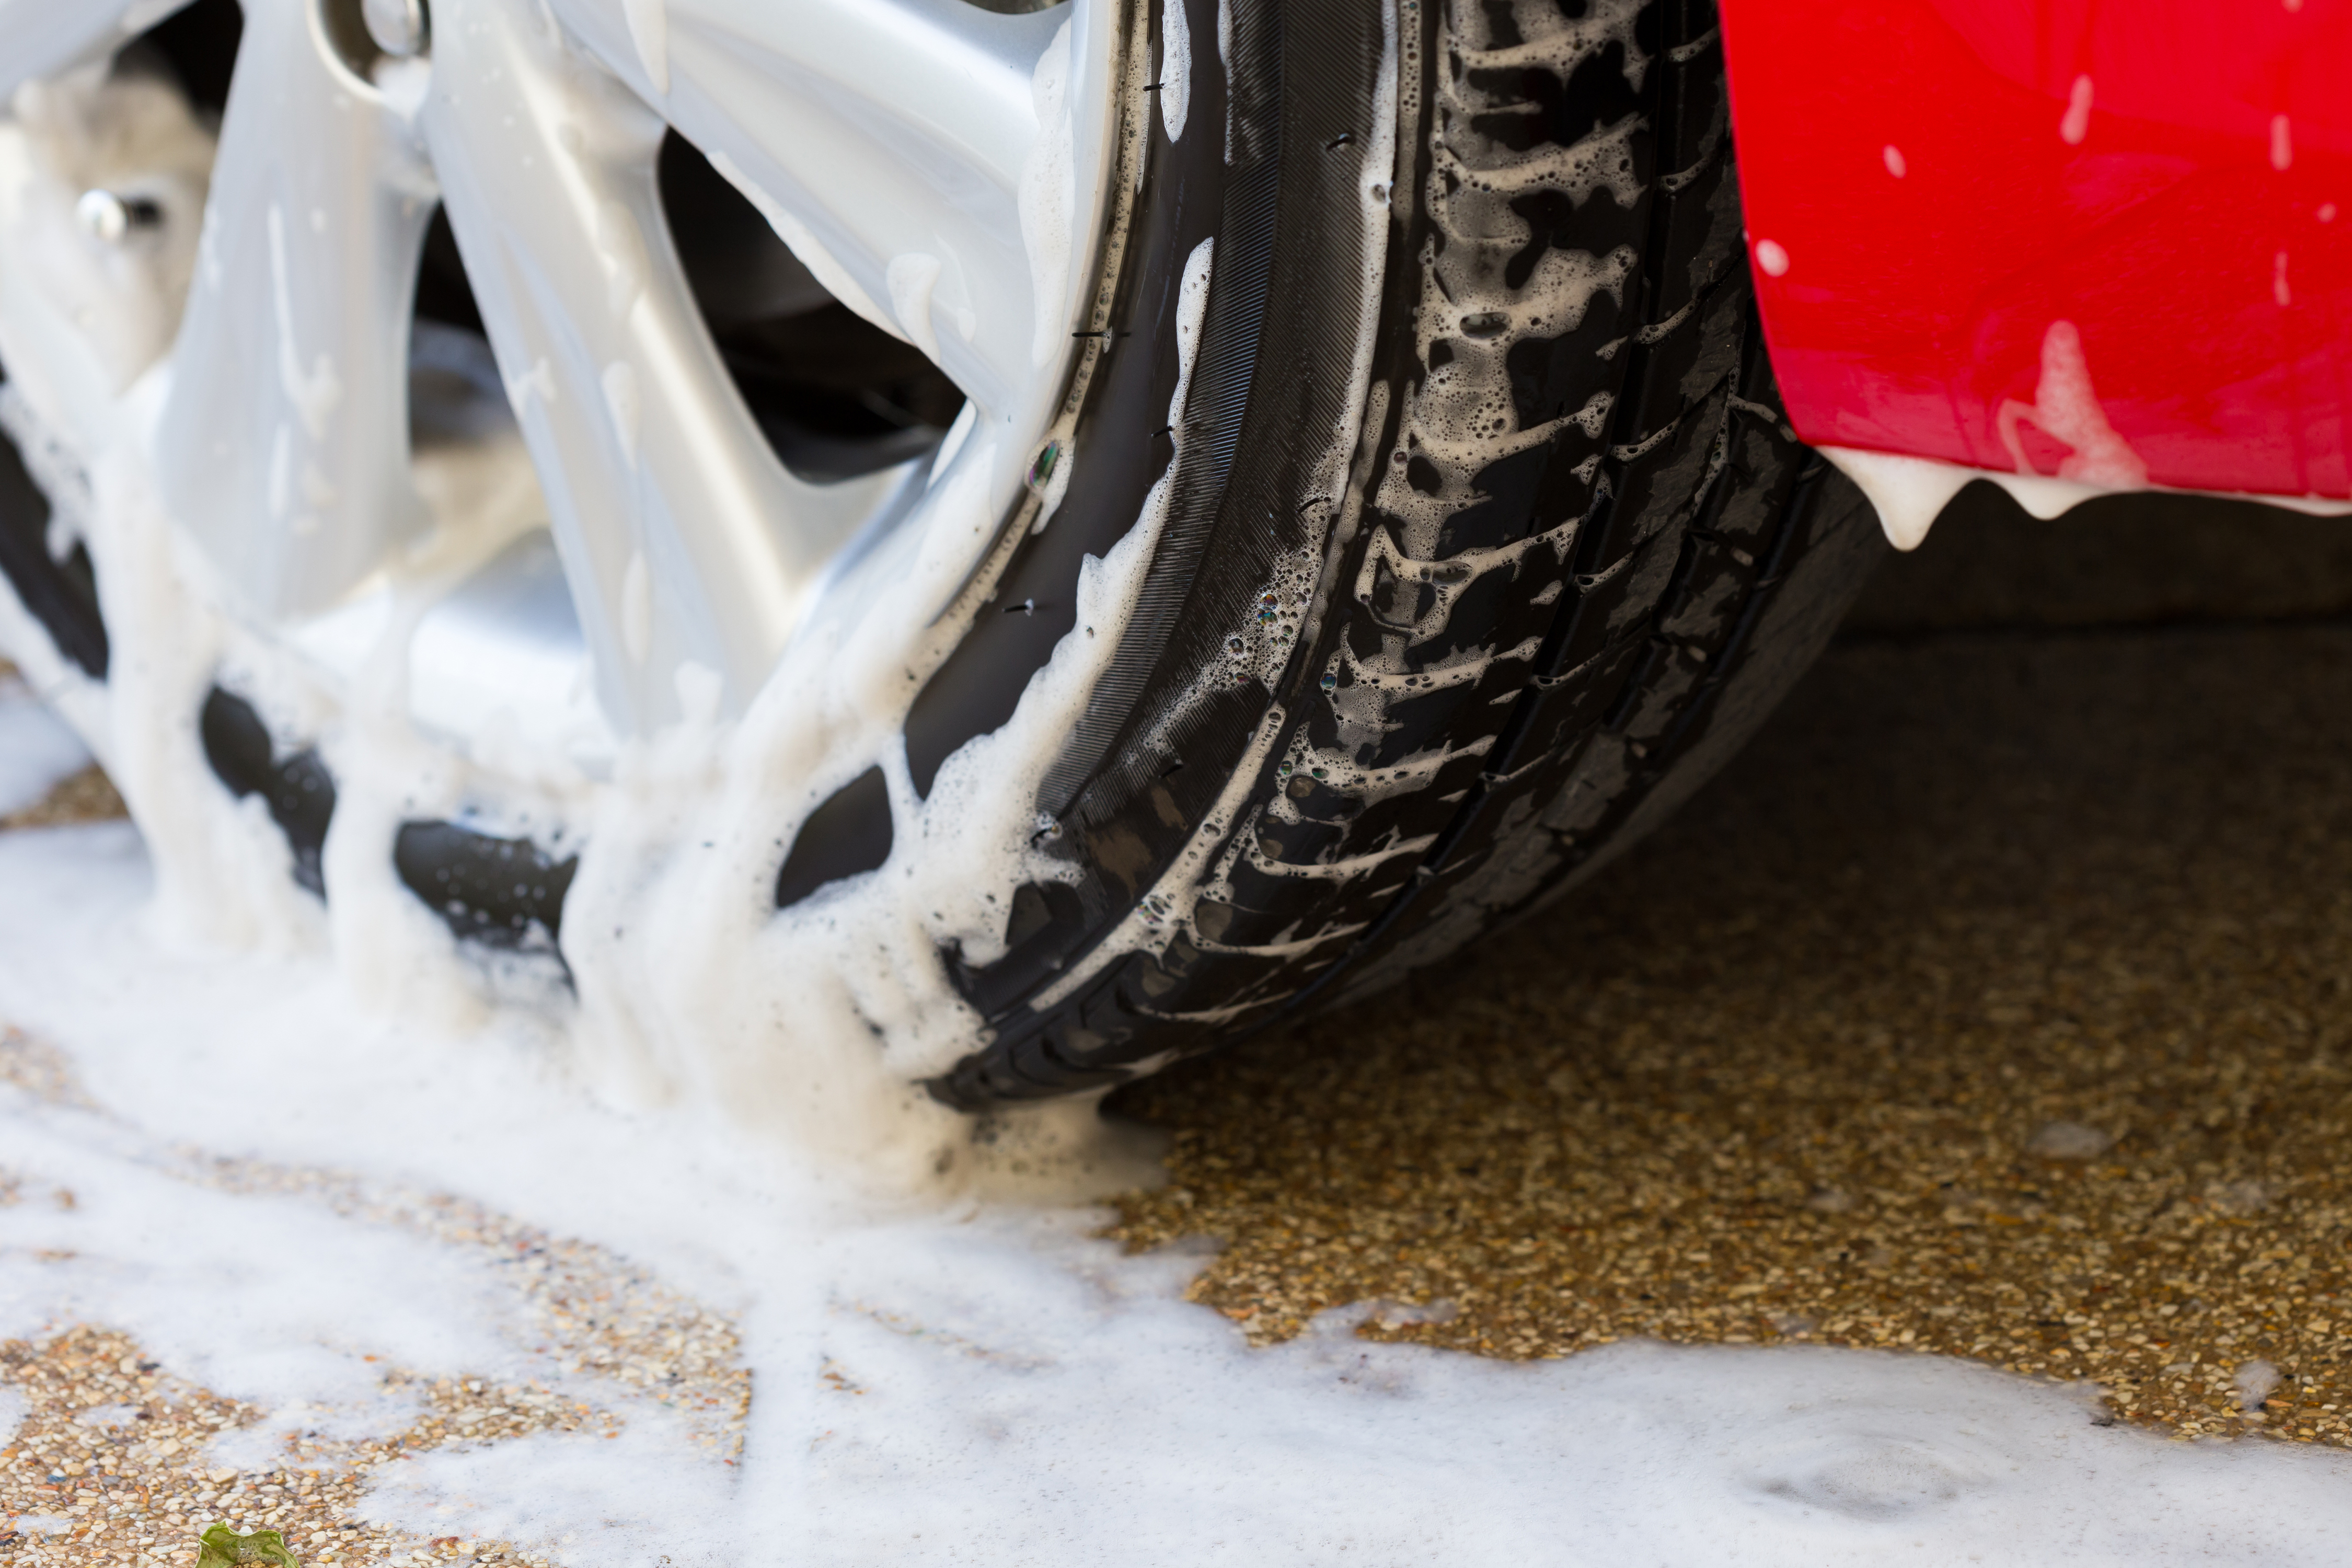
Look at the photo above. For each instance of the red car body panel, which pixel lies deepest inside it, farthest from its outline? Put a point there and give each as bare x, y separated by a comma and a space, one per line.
2111, 243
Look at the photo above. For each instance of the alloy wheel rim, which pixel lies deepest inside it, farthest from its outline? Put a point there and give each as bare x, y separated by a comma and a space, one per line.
938, 165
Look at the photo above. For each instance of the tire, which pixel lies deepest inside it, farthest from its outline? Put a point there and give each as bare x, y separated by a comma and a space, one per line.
1479, 543
1522, 650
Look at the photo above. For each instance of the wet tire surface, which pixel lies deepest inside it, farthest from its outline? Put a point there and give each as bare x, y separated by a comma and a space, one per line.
1589, 556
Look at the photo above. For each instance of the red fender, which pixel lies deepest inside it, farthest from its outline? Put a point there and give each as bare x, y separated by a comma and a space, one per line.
2111, 243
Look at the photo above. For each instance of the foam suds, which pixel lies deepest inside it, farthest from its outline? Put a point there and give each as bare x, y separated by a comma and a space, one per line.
691, 986
1175, 68
1910, 493
950, 1381
37, 749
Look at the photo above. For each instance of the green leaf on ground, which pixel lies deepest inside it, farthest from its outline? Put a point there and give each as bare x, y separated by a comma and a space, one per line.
224, 1548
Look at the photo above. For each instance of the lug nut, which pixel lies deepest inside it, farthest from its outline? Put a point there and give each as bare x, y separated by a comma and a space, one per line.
398, 27
111, 216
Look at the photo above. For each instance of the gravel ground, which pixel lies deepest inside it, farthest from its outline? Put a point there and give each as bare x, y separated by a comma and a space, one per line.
1992, 1004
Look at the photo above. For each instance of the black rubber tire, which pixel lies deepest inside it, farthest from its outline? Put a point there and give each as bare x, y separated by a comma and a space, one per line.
1581, 627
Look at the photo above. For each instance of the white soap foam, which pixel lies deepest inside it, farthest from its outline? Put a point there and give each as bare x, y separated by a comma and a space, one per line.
584, 1495
1175, 68
2075, 123
1910, 493
690, 984
941, 1381
260, 1297
37, 749
2066, 408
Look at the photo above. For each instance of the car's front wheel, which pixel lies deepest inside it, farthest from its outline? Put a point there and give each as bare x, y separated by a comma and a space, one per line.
907, 541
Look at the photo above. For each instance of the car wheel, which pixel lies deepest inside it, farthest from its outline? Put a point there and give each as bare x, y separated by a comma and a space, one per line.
1017, 543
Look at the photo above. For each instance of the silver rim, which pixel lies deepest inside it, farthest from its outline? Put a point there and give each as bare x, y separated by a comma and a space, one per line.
589, 516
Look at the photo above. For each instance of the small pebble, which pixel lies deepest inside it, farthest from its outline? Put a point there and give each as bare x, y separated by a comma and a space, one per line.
2068, 1141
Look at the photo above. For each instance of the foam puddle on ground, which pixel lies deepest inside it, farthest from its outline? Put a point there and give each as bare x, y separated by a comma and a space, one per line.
947, 1381
38, 752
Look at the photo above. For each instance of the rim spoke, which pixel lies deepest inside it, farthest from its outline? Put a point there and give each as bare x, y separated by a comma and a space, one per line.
895, 145
284, 444
41, 37
936, 165
684, 539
